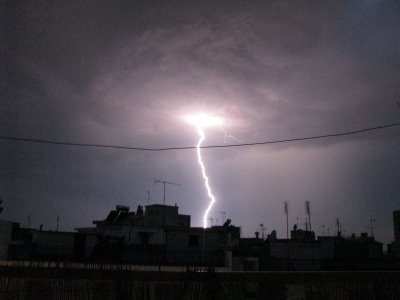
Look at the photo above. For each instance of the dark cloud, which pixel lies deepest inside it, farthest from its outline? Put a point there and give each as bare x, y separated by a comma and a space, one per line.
126, 72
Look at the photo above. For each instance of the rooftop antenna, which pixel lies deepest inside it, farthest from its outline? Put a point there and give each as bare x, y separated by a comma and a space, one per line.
58, 223
308, 213
338, 226
148, 197
371, 226
262, 228
164, 183
286, 209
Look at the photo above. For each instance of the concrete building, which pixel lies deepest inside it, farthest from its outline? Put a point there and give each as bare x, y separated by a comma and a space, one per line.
350, 253
199, 246
396, 225
299, 253
5, 238
145, 226
53, 245
394, 247
158, 234
249, 254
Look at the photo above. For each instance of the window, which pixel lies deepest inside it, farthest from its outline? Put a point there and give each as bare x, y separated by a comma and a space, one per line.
193, 240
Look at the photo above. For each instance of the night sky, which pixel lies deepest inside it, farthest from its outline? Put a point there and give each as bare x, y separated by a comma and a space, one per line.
127, 72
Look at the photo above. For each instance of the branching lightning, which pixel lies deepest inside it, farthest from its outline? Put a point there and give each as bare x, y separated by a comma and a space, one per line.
226, 135
200, 122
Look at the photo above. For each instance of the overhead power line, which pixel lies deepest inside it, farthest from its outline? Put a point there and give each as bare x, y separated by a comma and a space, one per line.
331, 135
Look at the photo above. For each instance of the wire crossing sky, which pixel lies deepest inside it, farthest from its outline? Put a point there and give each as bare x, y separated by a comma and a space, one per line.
330, 135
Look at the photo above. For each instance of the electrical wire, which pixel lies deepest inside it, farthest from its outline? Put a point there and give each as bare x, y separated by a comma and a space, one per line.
203, 147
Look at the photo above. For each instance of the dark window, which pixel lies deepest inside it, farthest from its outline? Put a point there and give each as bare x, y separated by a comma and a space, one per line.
144, 237
193, 240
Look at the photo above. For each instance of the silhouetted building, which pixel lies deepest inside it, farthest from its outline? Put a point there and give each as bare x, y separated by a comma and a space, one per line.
158, 234
299, 253
352, 253
5, 238
396, 224
248, 255
394, 247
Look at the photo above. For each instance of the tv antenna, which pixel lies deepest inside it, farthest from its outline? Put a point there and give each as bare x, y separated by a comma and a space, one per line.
163, 217
286, 210
308, 213
262, 229
371, 227
164, 183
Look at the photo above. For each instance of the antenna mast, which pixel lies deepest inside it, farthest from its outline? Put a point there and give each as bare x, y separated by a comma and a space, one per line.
286, 208
338, 225
164, 183
262, 228
308, 213
371, 226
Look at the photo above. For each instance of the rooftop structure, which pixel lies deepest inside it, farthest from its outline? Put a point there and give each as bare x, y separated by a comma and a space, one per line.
155, 215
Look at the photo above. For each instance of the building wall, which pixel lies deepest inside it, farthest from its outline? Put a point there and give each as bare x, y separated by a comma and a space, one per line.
293, 255
132, 234
396, 223
294, 250
327, 247
155, 214
53, 244
199, 246
5, 238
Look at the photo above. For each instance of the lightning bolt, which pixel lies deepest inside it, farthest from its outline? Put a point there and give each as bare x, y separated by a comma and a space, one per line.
226, 135
201, 121
203, 172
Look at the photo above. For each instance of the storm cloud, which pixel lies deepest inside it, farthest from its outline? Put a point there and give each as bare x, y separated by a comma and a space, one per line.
126, 72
